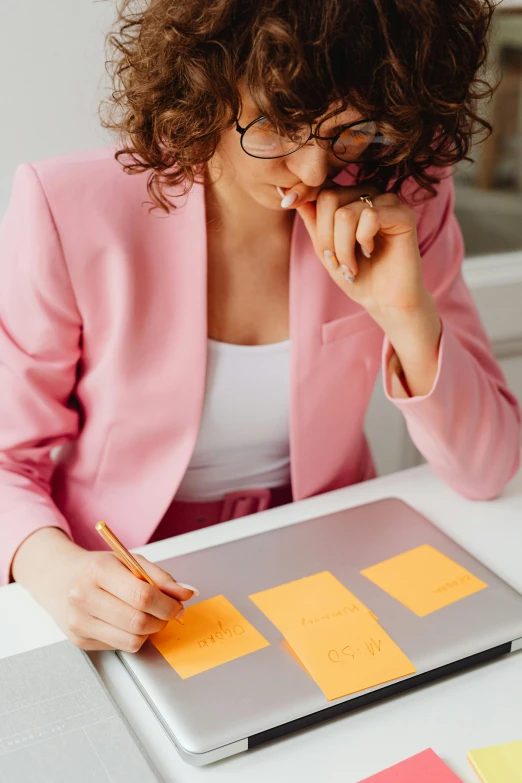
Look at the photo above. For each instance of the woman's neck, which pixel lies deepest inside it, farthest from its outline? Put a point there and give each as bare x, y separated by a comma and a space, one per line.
247, 268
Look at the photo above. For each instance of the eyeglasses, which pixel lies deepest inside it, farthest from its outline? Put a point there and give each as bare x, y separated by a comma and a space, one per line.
360, 141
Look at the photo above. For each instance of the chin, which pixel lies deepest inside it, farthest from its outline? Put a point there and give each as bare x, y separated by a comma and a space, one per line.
270, 203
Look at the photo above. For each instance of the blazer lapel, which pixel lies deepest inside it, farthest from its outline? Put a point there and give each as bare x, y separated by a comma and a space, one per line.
168, 352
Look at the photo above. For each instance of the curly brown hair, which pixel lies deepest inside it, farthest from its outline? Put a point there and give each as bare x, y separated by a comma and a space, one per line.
413, 65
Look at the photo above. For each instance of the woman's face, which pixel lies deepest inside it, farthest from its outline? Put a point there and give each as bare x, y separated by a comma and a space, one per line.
309, 165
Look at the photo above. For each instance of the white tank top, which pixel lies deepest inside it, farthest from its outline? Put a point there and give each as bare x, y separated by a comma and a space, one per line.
243, 440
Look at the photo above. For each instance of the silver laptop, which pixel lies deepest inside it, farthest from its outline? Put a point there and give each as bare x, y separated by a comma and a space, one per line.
267, 694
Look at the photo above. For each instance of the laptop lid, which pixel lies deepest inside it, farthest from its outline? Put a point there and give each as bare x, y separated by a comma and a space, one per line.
267, 693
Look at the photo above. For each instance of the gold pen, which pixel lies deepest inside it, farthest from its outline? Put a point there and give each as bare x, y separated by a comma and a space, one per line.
125, 556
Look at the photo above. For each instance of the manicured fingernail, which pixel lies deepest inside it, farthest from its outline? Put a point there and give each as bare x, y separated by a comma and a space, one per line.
366, 252
347, 274
280, 191
289, 199
330, 259
188, 587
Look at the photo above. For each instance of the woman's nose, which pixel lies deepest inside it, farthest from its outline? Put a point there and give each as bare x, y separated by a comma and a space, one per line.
310, 164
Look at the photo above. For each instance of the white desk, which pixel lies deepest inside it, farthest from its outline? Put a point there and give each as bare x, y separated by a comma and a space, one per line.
479, 707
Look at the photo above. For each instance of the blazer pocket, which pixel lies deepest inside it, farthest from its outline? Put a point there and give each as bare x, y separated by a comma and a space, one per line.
348, 324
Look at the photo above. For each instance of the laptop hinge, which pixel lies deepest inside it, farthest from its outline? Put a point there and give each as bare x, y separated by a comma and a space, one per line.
391, 689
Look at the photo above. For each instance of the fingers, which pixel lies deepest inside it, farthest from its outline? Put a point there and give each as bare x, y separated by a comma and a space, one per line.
116, 579
112, 610
108, 607
91, 633
301, 194
395, 218
355, 226
329, 202
327, 208
88, 644
346, 233
166, 582
320, 216
344, 241
366, 228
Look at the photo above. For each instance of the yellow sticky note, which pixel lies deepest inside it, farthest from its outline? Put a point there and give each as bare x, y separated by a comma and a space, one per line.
348, 654
214, 632
498, 763
424, 580
305, 601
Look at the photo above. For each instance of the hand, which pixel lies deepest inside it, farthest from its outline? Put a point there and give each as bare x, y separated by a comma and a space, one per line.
93, 597
350, 230
373, 256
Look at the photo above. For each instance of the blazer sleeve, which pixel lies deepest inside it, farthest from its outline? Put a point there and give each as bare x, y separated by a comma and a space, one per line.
40, 332
468, 426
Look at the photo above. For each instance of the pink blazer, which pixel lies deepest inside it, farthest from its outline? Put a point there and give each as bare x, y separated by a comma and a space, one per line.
103, 348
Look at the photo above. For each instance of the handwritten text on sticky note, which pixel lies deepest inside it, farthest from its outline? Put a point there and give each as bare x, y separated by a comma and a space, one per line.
348, 654
214, 632
423, 579
334, 635
307, 601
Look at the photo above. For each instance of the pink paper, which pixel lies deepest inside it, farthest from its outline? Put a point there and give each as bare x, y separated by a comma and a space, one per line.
425, 767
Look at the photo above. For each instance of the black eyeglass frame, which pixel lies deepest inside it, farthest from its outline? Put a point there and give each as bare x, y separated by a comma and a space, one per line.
312, 135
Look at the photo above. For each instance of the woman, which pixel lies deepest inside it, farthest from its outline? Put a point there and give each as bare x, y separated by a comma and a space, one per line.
215, 355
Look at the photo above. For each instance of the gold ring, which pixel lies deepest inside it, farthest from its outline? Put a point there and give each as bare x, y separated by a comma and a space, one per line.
366, 198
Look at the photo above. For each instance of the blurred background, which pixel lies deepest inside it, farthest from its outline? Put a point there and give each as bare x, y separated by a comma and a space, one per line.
489, 190
51, 80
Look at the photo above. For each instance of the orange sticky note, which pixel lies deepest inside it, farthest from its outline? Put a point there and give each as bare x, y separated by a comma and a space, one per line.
423, 579
305, 601
214, 632
335, 636
348, 654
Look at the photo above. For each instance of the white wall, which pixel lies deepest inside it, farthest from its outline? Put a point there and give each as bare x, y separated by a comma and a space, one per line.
51, 78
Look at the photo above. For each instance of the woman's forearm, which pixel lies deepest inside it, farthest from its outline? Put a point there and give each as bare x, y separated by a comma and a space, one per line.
33, 560
415, 337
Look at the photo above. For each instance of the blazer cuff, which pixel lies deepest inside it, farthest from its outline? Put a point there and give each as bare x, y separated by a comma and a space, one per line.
395, 385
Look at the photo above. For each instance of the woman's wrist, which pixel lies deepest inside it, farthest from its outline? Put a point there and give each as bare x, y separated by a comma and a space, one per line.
37, 554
